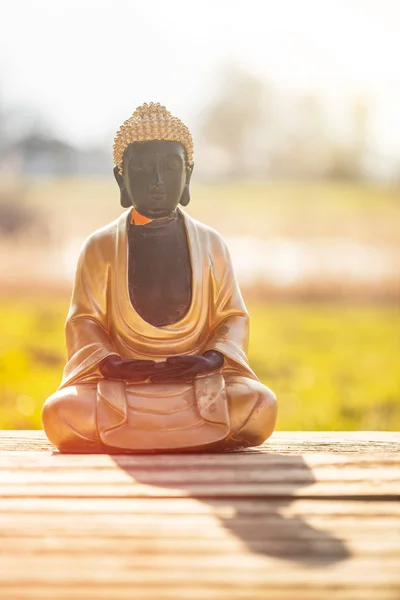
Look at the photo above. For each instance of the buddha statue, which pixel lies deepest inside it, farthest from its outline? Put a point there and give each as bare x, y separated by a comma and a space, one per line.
157, 330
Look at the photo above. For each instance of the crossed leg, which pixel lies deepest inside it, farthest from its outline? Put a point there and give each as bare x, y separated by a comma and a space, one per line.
69, 419
70, 423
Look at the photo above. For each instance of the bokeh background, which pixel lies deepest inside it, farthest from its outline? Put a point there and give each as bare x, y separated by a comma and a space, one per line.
294, 109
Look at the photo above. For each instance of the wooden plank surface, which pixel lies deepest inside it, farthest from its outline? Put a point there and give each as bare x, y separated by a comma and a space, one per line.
307, 516
280, 441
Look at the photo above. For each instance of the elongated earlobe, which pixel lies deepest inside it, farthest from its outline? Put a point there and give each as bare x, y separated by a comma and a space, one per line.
124, 199
185, 198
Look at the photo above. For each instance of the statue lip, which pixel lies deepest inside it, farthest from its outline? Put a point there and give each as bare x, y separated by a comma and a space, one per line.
157, 196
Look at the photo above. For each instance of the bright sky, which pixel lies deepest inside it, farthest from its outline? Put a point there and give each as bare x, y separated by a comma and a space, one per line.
88, 63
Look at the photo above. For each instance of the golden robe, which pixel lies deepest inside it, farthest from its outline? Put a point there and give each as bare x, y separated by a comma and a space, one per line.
146, 416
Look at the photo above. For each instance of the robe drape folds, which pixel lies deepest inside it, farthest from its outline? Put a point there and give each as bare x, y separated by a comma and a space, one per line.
102, 322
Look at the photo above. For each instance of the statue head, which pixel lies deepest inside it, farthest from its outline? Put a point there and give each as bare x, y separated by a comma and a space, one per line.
153, 154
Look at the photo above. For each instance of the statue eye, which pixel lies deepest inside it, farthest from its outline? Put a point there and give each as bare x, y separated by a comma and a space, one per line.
138, 167
173, 163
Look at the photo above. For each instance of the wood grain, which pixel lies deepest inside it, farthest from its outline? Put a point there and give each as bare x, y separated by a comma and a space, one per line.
306, 516
280, 441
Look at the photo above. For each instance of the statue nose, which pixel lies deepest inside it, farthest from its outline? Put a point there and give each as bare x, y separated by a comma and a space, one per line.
157, 177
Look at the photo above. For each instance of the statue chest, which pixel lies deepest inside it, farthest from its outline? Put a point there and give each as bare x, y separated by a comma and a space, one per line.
159, 271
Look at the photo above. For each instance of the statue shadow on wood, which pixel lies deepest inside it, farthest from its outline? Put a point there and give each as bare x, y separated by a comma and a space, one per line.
255, 517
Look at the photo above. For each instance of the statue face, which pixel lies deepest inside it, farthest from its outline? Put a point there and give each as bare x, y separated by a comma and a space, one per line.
154, 176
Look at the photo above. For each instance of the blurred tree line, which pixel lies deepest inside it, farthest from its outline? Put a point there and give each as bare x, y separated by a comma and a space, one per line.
249, 130
259, 132
30, 147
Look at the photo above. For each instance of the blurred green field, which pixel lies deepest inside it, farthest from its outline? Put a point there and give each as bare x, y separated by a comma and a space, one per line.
332, 367
362, 212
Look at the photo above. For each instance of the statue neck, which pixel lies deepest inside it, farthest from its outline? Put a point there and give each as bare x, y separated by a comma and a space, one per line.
138, 219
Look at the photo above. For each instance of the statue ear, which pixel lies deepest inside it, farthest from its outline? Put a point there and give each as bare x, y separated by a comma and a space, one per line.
185, 198
125, 201
189, 171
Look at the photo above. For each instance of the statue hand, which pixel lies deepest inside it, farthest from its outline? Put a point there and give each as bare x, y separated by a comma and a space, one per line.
186, 368
113, 367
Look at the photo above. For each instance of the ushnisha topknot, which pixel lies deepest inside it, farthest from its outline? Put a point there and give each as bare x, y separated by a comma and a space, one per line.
151, 122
